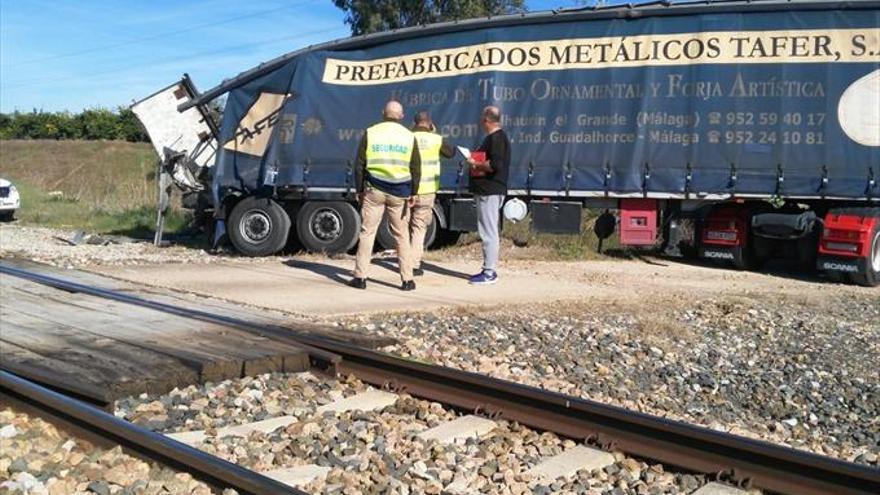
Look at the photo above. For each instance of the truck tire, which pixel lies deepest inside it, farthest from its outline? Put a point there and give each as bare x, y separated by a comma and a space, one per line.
871, 276
258, 226
446, 237
386, 240
328, 226
836, 277
744, 258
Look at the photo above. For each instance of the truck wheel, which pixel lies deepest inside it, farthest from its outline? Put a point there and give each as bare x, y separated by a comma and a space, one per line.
744, 258
871, 276
258, 226
836, 277
328, 226
386, 240
762, 251
446, 237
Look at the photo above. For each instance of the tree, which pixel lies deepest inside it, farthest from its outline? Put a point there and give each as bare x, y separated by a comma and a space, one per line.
370, 16
129, 127
97, 123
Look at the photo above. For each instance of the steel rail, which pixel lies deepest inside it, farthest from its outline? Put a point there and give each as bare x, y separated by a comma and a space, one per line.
79, 417
746, 461
85, 392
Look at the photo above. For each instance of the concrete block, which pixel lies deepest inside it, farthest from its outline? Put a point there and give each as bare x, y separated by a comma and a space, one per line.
266, 426
719, 489
571, 461
190, 438
297, 475
371, 400
469, 426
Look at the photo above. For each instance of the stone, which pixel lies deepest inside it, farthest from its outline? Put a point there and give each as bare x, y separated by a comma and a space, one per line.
18, 465
127, 473
266, 426
100, 487
458, 486
61, 487
8, 431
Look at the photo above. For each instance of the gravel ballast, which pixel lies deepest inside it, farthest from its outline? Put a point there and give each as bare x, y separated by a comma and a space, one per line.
36, 458
46, 245
379, 451
779, 370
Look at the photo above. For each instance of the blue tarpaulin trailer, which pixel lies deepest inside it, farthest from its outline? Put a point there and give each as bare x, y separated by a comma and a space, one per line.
758, 119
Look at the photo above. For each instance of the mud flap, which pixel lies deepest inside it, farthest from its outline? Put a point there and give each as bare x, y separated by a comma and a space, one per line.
219, 233
164, 184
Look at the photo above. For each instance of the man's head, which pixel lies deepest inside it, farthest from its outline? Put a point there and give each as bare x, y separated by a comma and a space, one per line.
491, 118
423, 119
393, 110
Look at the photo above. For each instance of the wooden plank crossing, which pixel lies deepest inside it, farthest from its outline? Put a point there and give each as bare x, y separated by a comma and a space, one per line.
217, 306
121, 348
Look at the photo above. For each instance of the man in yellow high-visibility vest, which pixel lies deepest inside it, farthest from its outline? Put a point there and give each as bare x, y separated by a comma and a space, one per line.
431, 147
387, 177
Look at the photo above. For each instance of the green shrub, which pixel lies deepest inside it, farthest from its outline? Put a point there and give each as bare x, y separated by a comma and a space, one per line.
92, 124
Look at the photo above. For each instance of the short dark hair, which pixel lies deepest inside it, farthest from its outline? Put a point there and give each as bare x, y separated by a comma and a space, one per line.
422, 117
492, 114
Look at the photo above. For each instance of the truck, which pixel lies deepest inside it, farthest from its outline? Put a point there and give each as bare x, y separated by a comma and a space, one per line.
734, 131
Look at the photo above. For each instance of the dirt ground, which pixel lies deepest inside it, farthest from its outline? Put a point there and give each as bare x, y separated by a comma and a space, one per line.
315, 286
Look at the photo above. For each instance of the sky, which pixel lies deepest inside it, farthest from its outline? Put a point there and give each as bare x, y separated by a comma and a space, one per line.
65, 55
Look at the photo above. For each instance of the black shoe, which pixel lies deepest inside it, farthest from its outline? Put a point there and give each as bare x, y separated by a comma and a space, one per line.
408, 285
358, 283
418, 272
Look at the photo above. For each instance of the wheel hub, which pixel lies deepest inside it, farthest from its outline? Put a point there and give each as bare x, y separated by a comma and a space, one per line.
255, 226
326, 224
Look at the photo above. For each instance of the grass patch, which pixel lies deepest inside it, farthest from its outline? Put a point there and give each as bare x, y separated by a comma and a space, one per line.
106, 187
519, 242
107, 175
41, 208
563, 246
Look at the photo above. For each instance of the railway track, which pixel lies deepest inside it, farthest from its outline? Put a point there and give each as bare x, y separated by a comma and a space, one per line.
745, 462
103, 429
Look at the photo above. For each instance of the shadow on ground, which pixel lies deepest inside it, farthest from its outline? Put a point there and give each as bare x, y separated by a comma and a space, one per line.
343, 275
391, 265
331, 272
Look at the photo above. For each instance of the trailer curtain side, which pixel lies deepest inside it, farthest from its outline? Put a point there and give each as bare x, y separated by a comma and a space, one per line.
783, 103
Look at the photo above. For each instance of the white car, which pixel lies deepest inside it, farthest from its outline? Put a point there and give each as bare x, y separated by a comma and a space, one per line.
9, 200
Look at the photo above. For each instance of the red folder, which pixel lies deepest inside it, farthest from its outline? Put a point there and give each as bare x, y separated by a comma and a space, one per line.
479, 157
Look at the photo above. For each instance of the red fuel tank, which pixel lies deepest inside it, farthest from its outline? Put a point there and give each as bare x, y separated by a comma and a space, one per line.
638, 222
